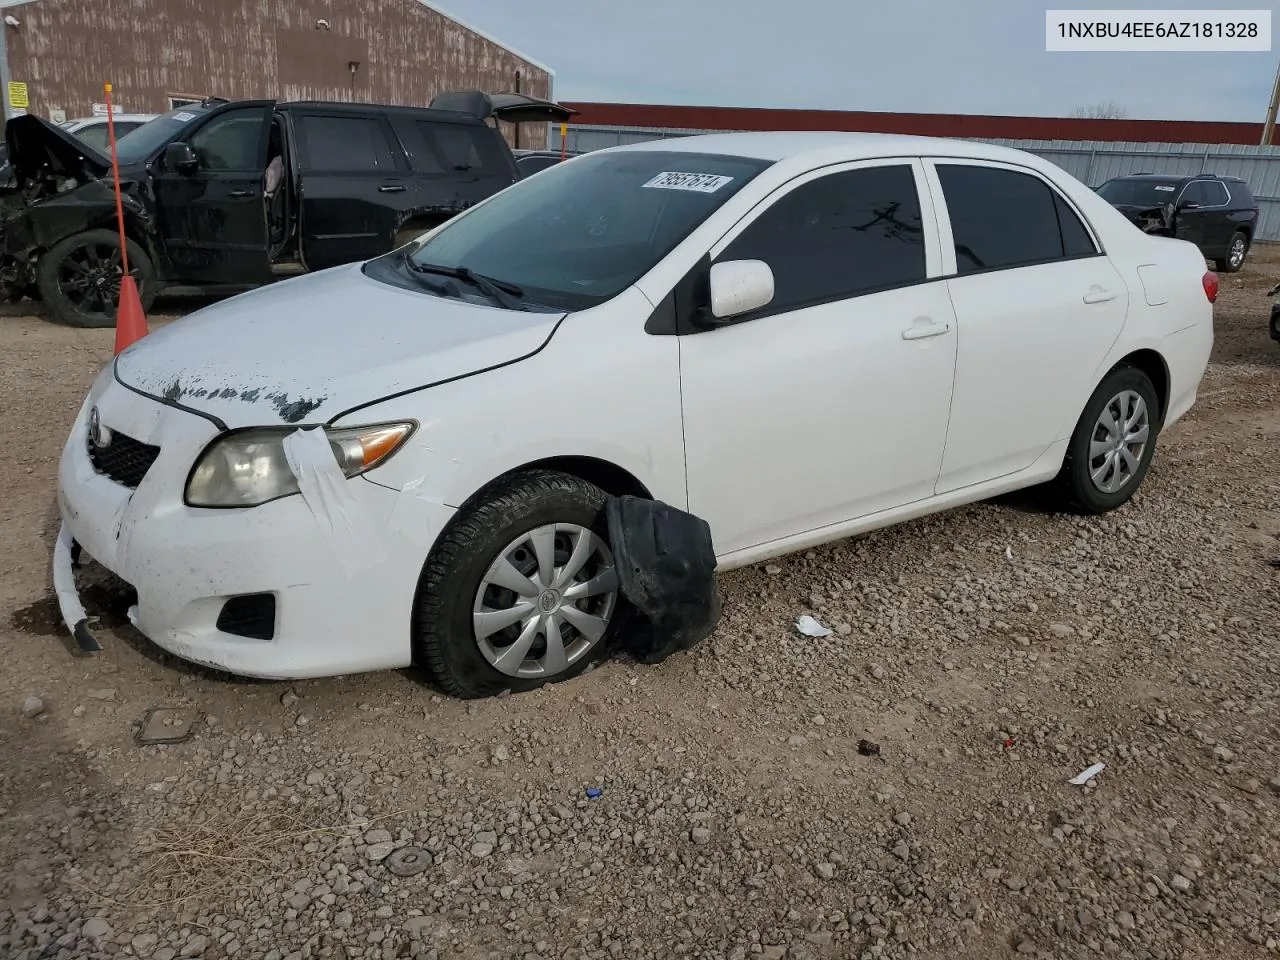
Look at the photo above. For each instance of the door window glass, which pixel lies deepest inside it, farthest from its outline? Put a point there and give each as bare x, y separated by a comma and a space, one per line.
1002, 218
231, 141
839, 236
344, 144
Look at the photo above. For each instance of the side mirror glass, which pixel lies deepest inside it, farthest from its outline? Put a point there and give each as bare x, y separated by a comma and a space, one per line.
180, 156
740, 286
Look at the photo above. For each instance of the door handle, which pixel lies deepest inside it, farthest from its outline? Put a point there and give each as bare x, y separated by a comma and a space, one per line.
391, 188
240, 194
1098, 295
923, 328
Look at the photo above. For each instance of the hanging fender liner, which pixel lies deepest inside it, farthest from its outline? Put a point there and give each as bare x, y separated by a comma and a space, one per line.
666, 567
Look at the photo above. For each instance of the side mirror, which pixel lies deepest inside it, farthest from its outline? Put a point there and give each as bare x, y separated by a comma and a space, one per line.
740, 286
180, 157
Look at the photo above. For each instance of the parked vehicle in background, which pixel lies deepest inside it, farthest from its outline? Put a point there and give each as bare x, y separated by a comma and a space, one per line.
93, 130
1218, 214
530, 162
236, 194
408, 460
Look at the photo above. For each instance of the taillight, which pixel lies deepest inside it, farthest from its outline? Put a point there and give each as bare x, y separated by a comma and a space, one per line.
1210, 283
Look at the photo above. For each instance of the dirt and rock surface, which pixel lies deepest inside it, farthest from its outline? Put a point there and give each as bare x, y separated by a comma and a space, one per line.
991, 653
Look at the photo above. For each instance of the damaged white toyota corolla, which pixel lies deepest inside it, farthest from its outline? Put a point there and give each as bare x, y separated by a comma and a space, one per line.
795, 337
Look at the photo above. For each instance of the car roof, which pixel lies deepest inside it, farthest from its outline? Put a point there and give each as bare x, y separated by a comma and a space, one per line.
118, 117
338, 106
831, 146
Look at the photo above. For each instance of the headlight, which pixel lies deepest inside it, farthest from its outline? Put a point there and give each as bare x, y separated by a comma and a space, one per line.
249, 468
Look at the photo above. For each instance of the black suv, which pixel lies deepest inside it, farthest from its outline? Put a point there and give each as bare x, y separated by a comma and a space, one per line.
1217, 214
236, 194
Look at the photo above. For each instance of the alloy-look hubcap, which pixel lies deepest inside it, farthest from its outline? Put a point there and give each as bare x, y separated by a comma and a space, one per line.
545, 601
1237, 251
1119, 441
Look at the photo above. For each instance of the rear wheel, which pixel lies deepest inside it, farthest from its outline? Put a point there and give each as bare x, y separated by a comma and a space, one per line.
1237, 249
521, 589
79, 278
1113, 443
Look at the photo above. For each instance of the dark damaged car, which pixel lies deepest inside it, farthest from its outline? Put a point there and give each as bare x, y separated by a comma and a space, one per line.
1218, 214
236, 194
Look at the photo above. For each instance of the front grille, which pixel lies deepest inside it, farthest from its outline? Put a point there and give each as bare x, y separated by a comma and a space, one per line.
125, 460
252, 615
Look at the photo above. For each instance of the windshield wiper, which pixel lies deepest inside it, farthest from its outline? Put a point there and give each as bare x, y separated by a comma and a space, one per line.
506, 294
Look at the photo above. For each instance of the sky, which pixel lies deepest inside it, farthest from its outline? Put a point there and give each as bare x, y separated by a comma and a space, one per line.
908, 56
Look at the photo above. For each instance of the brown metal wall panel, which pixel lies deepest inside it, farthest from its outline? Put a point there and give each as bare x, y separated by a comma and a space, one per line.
652, 116
150, 50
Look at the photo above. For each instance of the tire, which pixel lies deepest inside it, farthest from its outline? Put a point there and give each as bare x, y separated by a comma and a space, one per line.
1237, 250
445, 639
1075, 487
95, 253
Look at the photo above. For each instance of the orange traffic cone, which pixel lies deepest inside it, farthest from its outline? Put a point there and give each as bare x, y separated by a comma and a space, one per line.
131, 322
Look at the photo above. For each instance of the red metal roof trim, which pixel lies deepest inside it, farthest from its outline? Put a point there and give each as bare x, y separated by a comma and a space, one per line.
920, 124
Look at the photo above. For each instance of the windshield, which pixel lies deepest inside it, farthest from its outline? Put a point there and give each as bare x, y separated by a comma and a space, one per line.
1139, 193
146, 139
581, 232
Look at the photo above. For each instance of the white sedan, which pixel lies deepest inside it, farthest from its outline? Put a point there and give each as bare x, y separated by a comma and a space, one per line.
796, 337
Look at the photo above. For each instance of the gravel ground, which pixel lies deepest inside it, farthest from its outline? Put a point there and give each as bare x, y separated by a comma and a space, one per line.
991, 653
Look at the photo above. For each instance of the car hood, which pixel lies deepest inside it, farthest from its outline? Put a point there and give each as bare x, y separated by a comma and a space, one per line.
307, 349
33, 144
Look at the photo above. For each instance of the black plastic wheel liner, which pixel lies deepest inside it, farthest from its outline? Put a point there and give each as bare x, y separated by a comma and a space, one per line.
666, 568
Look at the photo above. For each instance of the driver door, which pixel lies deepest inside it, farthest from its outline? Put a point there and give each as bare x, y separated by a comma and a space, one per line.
212, 218
832, 402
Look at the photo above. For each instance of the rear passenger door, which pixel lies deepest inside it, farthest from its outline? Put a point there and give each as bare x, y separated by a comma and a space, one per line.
1038, 306
353, 186
1191, 218
455, 164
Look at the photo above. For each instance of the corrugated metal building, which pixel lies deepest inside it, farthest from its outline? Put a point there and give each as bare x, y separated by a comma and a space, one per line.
161, 53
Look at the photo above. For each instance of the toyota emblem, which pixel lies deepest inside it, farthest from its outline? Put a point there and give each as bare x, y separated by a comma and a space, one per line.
99, 435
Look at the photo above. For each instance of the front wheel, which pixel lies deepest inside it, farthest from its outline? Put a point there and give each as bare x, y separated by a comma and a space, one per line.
79, 278
1236, 252
520, 590
1113, 443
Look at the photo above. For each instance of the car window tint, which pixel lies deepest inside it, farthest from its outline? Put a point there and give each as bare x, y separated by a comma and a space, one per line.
1076, 241
96, 136
530, 165
1000, 218
1193, 193
462, 148
839, 236
230, 141
344, 144
1214, 193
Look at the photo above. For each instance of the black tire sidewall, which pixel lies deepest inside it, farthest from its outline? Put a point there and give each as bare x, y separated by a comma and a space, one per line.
443, 634
62, 309
1076, 474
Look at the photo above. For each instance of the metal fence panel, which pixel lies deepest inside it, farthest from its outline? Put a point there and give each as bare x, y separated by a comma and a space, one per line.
1091, 161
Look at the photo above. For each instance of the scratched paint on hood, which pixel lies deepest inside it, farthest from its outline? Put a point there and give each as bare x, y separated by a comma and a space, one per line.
306, 349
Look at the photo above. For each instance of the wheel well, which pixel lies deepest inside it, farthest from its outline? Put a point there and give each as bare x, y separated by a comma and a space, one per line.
1153, 365
609, 477
1246, 230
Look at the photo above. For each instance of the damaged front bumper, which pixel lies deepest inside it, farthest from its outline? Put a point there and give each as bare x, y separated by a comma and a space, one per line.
65, 552
190, 566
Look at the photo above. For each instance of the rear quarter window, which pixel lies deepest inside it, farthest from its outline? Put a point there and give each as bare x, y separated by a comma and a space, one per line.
1241, 195
453, 149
